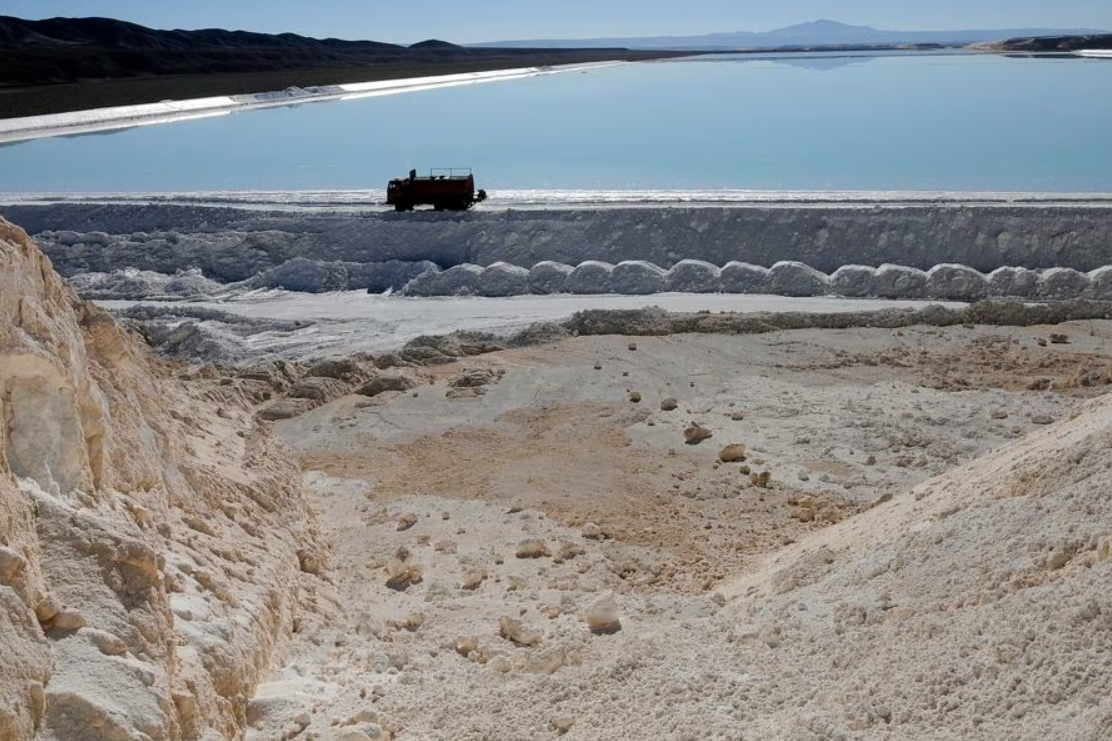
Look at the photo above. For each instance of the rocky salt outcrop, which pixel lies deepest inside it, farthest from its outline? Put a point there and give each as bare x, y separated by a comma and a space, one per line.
152, 533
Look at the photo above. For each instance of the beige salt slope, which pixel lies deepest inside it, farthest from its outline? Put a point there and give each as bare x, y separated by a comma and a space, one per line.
970, 605
152, 535
974, 605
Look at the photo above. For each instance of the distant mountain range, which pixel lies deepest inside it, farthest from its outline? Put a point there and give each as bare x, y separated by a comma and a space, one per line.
815, 33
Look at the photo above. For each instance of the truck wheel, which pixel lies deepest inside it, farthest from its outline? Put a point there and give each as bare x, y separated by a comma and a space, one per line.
438, 206
399, 207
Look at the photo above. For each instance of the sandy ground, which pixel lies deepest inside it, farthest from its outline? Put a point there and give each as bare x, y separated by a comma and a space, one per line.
501, 512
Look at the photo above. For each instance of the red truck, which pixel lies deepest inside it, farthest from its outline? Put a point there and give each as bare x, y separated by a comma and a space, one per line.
451, 189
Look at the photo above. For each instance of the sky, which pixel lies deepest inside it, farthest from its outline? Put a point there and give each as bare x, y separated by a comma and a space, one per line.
472, 21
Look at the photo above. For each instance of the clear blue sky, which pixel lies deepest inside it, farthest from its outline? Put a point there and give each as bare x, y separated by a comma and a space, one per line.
467, 21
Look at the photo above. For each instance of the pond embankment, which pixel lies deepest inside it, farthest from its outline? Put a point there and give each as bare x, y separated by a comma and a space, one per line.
943, 250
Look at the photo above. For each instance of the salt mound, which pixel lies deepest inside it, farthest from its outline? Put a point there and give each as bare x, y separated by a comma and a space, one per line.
150, 530
1100, 283
1062, 283
548, 277
975, 605
458, 280
956, 283
503, 279
693, 276
898, 281
853, 281
591, 276
789, 278
638, 278
741, 277
132, 284
1013, 282
319, 276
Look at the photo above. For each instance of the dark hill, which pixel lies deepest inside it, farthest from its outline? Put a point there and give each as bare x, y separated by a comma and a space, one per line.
1056, 43
435, 44
78, 49
45, 65
112, 33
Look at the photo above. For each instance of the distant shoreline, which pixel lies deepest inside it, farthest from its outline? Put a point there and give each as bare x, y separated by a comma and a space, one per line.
112, 118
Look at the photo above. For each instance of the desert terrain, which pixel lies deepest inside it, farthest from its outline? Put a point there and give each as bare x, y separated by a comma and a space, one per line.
855, 525
291, 467
869, 544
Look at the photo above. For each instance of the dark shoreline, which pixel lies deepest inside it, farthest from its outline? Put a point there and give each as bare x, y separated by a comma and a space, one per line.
17, 102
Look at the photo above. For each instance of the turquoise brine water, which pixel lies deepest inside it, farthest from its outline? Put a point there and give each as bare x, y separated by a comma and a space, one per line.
814, 122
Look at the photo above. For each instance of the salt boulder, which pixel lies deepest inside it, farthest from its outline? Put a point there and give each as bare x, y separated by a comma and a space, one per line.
592, 276
458, 280
695, 433
519, 633
1013, 282
638, 278
741, 277
349, 370
317, 388
377, 277
12, 566
503, 279
954, 282
603, 615
733, 453
854, 281
1062, 283
549, 277
899, 281
790, 278
532, 548
190, 284
1100, 283
386, 382
131, 284
303, 274
693, 276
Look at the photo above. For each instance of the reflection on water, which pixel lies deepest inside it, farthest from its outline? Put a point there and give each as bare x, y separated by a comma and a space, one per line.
832, 121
